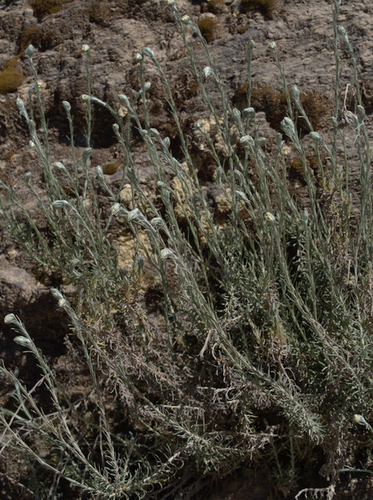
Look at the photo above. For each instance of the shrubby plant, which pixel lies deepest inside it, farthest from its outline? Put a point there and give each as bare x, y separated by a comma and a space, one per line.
42, 8
268, 7
10, 77
266, 351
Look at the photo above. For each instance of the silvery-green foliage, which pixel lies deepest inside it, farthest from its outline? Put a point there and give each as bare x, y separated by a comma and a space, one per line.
273, 307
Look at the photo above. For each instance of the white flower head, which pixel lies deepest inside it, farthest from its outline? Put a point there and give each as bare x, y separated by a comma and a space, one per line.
247, 139
36, 85
248, 112
30, 50
115, 209
287, 125
61, 204
23, 341
146, 51
67, 106
295, 92
269, 217
58, 165
158, 223
316, 137
272, 46
171, 2
57, 294
85, 47
10, 318
185, 19
84, 97
134, 215
359, 419
62, 302
123, 98
166, 252
207, 71
138, 57
342, 32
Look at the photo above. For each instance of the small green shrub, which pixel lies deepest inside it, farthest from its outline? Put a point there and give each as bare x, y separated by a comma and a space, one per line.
99, 12
242, 30
28, 36
10, 155
268, 7
42, 8
42, 37
217, 6
317, 107
296, 167
10, 78
274, 103
110, 168
209, 28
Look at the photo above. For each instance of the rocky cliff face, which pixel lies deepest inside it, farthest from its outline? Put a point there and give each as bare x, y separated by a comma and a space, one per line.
116, 30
